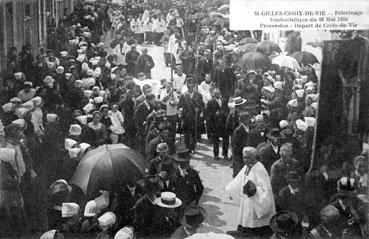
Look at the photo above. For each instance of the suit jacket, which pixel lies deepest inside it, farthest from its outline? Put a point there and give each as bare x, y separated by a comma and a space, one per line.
152, 134
278, 172
188, 105
205, 66
139, 100
189, 188
131, 59
232, 122
148, 217
151, 147
140, 117
297, 203
225, 80
217, 116
126, 203
239, 141
257, 136
268, 156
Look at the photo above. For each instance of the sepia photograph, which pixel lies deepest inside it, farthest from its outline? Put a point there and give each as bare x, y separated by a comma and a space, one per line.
173, 119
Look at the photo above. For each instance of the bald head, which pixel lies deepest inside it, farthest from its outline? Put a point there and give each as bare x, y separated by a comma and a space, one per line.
249, 155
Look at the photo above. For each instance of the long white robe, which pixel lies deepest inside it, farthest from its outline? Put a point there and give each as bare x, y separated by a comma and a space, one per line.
255, 211
120, 53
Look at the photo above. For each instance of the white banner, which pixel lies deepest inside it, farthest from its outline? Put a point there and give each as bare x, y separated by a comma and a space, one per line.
299, 15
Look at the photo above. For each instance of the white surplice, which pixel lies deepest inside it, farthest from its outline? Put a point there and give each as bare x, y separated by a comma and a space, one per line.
255, 211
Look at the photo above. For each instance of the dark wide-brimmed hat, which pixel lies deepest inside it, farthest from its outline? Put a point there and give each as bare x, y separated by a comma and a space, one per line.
193, 215
182, 154
249, 188
284, 222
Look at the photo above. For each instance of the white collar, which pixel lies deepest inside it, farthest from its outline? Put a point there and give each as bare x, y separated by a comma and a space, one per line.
147, 105
275, 148
343, 206
187, 231
293, 191
326, 230
183, 172
153, 201
246, 127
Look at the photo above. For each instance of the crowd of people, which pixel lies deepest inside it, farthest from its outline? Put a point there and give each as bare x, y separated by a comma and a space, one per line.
74, 97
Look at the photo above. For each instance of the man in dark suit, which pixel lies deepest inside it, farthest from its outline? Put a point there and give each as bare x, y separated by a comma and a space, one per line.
146, 91
191, 106
205, 64
143, 110
188, 185
126, 106
164, 167
132, 59
259, 133
126, 199
148, 219
293, 198
217, 112
225, 78
239, 141
145, 63
163, 137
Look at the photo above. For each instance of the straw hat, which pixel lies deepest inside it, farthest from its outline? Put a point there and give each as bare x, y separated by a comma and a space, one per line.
168, 200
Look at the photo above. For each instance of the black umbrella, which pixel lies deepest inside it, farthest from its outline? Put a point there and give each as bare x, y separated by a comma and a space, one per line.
254, 60
107, 168
267, 47
304, 58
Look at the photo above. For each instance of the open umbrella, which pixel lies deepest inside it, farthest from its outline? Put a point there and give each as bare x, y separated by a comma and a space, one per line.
253, 60
267, 47
286, 61
107, 168
304, 58
247, 40
250, 47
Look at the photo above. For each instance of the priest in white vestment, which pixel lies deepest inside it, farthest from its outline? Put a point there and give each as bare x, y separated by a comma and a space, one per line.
252, 189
